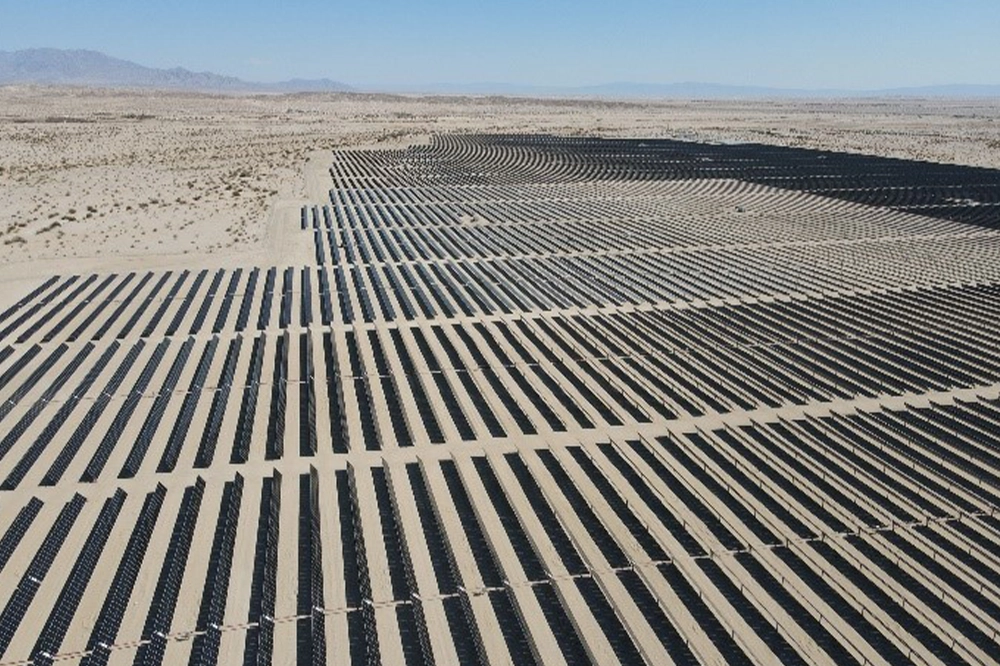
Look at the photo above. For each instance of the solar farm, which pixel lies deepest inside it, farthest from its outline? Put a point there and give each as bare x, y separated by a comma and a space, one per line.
526, 399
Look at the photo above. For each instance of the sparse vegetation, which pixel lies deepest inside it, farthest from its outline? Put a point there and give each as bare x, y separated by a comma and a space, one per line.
140, 159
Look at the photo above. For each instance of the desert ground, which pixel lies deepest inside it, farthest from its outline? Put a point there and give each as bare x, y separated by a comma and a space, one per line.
171, 178
357, 379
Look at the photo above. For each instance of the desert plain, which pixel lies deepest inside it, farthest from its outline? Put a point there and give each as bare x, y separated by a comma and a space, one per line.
361, 379
104, 178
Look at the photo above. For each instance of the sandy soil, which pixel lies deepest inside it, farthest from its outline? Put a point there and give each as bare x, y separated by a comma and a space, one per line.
97, 181
141, 178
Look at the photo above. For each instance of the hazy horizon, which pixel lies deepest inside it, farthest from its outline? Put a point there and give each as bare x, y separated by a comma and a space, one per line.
775, 43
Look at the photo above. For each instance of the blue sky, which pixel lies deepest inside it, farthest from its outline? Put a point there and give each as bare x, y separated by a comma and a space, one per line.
785, 43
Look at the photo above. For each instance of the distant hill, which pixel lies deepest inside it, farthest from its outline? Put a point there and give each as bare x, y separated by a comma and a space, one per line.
955, 90
91, 68
687, 90
712, 90
605, 90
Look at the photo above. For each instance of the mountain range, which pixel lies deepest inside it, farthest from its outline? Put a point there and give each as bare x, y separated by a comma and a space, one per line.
685, 90
91, 68
48, 66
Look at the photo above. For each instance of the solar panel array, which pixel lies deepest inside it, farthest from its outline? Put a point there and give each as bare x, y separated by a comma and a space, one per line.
526, 399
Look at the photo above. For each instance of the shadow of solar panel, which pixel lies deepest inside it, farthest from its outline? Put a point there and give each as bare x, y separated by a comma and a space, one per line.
185, 303
33, 295
22, 596
165, 305
17, 530
146, 434
311, 638
264, 314
143, 307
159, 616
205, 647
879, 596
259, 642
248, 405
654, 502
116, 603
33, 412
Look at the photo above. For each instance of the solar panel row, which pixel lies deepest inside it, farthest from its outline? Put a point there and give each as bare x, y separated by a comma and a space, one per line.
556, 401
